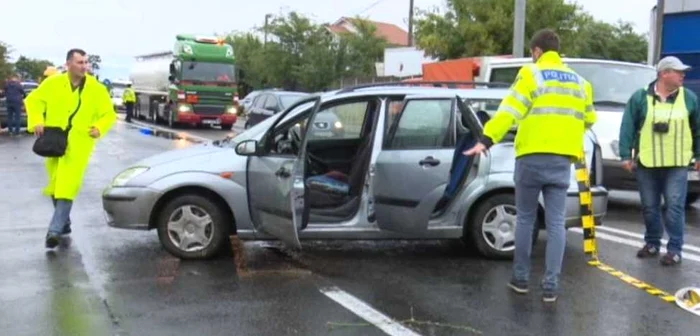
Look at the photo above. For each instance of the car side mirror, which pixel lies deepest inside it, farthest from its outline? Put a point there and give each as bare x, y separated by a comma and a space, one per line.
247, 148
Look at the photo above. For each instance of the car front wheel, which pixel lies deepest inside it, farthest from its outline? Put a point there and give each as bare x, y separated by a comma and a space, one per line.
492, 230
192, 227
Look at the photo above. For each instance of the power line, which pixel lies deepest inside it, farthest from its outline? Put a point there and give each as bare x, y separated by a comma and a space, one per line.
370, 7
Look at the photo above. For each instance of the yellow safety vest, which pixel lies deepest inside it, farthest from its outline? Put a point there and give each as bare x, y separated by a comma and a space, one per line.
129, 95
553, 106
671, 149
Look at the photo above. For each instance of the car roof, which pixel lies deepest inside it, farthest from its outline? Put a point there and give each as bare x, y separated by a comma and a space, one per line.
524, 60
436, 92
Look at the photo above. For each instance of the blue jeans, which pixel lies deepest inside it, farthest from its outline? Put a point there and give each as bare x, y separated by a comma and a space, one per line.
61, 216
13, 117
672, 183
549, 174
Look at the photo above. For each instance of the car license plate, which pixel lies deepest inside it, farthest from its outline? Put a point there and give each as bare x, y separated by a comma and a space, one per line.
211, 121
693, 176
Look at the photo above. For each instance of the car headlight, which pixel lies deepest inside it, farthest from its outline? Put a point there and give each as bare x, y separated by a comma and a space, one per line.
232, 110
615, 147
184, 108
338, 124
125, 176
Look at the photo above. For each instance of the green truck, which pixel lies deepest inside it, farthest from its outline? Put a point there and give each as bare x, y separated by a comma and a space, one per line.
194, 84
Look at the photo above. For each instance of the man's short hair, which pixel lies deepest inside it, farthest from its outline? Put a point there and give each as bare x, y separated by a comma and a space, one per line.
545, 39
74, 51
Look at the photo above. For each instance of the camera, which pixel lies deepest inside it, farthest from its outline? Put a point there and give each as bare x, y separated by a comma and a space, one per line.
660, 127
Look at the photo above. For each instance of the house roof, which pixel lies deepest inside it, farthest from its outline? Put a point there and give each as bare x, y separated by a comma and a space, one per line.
393, 34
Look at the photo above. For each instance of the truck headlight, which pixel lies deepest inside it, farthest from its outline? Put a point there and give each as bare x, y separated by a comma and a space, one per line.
232, 110
338, 124
125, 176
615, 147
184, 108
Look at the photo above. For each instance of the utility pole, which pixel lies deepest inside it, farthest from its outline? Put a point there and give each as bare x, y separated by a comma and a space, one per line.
410, 24
658, 30
267, 17
519, 28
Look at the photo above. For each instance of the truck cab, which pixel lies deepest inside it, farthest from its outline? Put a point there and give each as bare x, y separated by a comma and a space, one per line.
196, 83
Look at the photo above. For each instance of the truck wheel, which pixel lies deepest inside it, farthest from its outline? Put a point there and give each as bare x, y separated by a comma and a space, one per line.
226, 127
191, 226
492, 228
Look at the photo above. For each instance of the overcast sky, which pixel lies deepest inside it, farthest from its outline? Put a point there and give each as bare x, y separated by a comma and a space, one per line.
119, 29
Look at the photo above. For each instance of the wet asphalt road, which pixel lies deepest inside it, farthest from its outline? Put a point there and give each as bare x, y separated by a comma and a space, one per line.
114, 282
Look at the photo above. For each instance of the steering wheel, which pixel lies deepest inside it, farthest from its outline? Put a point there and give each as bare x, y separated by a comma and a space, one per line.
316, 164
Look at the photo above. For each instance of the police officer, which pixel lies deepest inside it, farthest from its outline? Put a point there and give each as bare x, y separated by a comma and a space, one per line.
129, 97
662, 124
553, 106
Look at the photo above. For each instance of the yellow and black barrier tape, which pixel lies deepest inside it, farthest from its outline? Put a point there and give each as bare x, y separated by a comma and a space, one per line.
590, 245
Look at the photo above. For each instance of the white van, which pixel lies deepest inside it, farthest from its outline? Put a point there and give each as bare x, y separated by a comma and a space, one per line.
118, 87
613, 84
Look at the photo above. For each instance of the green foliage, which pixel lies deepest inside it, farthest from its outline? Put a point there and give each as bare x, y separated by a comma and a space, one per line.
302, 55
30, 68
485, 27
6, 68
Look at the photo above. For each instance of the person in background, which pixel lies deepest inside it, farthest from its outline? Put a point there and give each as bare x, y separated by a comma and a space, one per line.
129, 97
51, 104
661, 123
553, 106
14, 94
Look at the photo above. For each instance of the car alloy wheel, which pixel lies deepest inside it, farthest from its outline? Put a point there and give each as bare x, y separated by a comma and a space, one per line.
190, 228
498, 227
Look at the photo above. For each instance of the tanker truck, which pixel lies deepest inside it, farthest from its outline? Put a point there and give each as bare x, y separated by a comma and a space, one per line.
194, 84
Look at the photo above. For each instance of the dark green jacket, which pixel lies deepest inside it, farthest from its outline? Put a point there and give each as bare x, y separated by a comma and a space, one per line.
636, 113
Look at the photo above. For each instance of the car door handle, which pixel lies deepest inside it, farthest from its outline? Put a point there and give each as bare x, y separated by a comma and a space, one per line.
431, 161
282, 172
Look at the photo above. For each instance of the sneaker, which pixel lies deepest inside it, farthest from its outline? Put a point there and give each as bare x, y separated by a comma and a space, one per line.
648, 251
670, 259
549, 296
66, 229
52, 240
519, 287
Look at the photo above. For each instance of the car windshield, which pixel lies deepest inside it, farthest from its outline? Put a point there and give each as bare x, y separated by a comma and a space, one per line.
288, 100
612, 82
208, 72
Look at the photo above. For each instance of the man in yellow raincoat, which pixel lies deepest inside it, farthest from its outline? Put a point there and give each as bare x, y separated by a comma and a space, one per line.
59, 95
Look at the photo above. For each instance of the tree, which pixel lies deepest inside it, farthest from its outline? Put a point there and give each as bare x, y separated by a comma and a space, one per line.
31, 68
485, 27
6, 68
363, 48
94, 61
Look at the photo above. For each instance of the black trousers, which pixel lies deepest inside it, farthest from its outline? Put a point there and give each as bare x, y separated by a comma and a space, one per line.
129, 110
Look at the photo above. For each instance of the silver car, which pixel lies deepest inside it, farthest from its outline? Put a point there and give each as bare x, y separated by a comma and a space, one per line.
392, 176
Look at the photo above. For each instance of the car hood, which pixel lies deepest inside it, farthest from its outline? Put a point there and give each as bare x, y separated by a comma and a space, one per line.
188, 154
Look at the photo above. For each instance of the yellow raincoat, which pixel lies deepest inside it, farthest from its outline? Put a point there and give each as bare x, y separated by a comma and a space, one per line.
54, 95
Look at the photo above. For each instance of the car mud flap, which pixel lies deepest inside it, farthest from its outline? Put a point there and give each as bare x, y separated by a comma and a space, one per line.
590, 245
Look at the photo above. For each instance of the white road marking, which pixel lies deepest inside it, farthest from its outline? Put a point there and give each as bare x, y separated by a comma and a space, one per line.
634, 243
366, 312
687, 247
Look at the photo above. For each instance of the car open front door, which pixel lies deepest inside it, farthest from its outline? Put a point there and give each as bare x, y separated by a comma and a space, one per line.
413, 168
276, 189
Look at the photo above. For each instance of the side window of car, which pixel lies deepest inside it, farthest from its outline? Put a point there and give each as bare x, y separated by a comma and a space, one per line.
271, 103
343, 121
424, 124
259, 101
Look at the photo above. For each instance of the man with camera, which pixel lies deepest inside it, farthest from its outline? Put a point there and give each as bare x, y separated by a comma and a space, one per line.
659, 136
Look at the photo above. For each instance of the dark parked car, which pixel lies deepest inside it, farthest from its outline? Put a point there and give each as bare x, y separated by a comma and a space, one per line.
268, 103
28, 87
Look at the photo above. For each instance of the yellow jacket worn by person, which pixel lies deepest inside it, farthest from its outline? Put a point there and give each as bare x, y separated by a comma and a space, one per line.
55, 96
129, 95
552, 105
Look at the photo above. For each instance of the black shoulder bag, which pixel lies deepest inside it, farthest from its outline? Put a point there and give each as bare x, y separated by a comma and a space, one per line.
54, 141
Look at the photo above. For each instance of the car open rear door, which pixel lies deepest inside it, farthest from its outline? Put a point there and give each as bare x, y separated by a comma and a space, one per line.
276, 190
413, 168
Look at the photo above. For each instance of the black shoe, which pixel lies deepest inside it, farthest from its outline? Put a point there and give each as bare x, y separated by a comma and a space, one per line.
519, 287
648, 251
671, 259
549, 296
66, 229
52, 240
